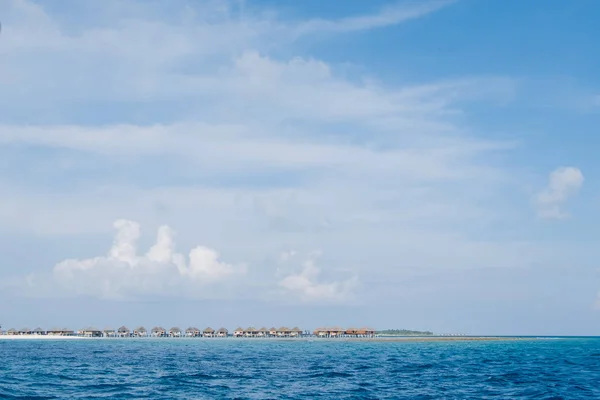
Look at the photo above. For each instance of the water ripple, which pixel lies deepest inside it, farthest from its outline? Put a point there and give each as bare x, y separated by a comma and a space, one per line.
202, 369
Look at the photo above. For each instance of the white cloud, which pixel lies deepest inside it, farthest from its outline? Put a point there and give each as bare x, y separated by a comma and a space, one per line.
564, 182
387, 16
307, 285
205, 121
122, 273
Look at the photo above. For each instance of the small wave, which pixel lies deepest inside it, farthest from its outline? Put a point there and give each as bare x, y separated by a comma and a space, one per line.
330, 374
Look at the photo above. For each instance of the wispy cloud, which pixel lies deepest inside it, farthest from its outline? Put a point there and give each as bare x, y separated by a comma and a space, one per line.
199, 121
391, 15
564, 182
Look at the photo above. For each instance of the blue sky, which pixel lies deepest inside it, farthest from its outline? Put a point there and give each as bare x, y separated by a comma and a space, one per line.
419, 165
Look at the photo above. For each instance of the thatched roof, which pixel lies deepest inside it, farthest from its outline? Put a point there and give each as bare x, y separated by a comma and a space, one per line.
140, 329
108, 330
38, 330
239, 329
251, 329
124, 329
273, 329
222, 330
192, 329
365, 329
296, 329
175, 329
12, 330
90, 329
263, 329
209, 330
158, 329
283, 329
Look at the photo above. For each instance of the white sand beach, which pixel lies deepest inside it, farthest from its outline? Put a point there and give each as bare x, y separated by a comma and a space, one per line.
41, 337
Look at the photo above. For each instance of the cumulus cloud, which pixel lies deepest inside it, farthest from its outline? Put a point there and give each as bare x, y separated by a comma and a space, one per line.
308, 286
124, 273
564, 182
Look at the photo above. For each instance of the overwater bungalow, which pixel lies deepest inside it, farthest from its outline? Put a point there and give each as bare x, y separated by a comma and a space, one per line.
351, 332
365, 332
239, 332
158, 331
250, 332
25, 331
192, 332
273, 332
109, 332
91, 332
263, 332
283, 332
39, 331
175, 332
123, 332
296, 332
336, 331
329, 332
320, 332
140, 331
12, 332
222, 332
208, 332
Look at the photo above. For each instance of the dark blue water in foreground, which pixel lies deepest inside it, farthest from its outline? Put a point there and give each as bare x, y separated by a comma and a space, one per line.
273, 369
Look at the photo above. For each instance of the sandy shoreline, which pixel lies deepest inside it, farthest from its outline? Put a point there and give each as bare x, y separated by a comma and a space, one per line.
377, 339
440, 339
42, 337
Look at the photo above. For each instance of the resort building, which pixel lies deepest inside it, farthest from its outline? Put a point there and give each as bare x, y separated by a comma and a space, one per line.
365, 332
140, 331
263, 332
175, 332
158, 331
296, 332
123, 332
91, 332
250, 332
109, 332
222, 332
333, 332
192, 332
39, 331
54, 332
283, 332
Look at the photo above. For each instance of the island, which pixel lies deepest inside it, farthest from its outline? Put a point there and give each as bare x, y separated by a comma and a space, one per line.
403, 332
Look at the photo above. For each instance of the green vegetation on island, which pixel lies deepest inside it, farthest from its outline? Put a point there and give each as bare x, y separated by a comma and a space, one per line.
404, 332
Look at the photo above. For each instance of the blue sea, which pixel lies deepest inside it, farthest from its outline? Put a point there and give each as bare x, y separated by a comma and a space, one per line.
319, 369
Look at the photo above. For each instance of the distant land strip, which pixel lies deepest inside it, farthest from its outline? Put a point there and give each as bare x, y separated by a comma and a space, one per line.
158, 331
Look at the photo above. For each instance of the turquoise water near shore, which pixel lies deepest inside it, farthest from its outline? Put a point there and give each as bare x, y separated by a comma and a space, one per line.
229, 369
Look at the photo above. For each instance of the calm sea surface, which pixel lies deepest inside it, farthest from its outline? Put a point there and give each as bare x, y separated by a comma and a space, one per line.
272, 369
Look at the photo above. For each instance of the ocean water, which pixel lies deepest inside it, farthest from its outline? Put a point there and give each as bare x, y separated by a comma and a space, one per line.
321, 369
